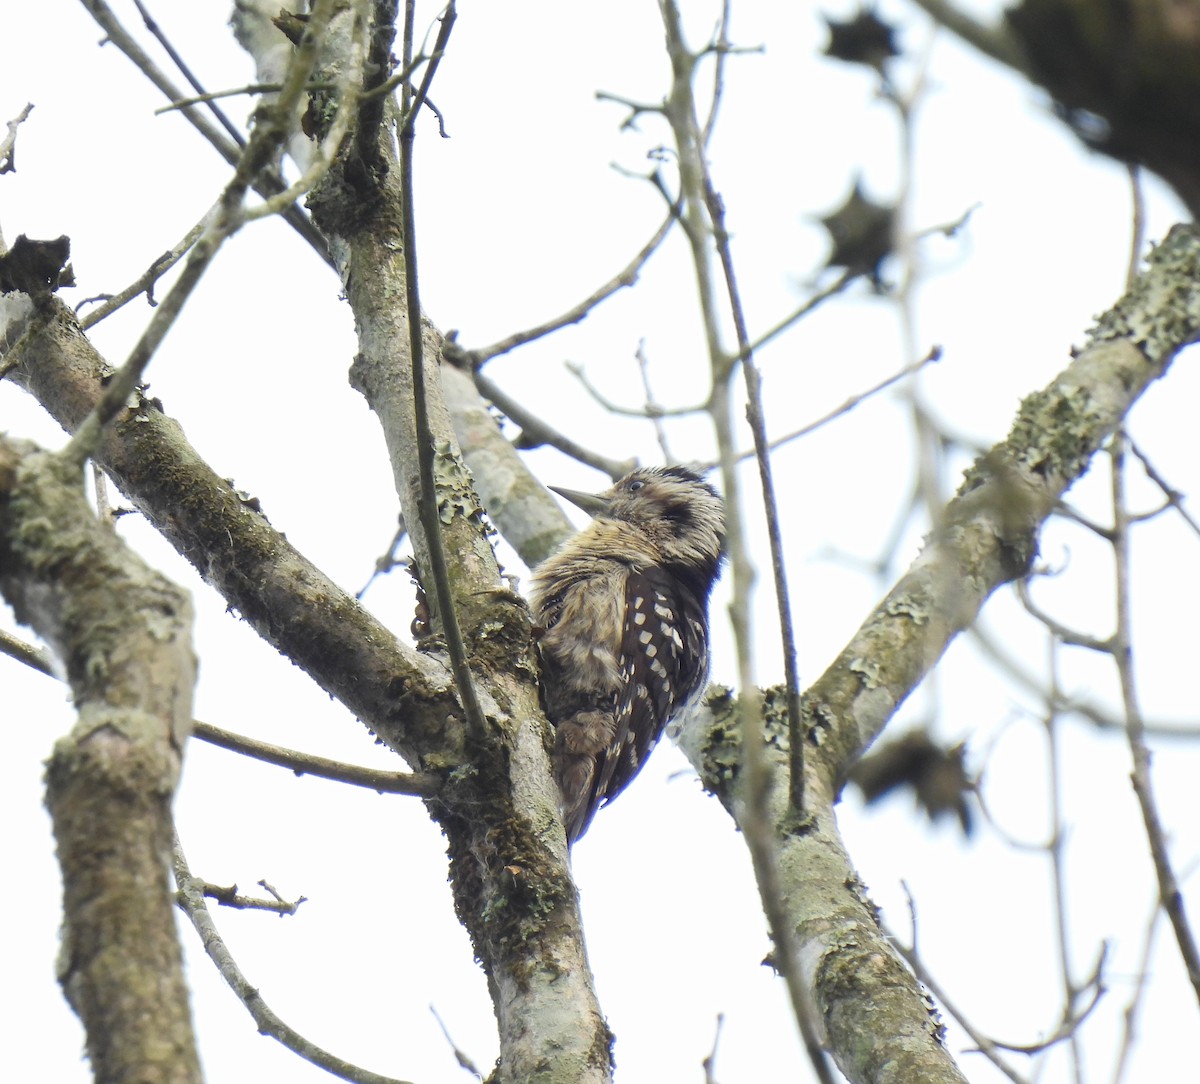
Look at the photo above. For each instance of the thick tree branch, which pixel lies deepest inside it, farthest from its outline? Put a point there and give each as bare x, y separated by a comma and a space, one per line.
123, 633
508, 852
987, 537
987, 534
404, 696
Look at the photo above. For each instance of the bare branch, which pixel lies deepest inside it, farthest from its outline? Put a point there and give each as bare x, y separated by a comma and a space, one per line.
191, 901
536, 432
273, 127
159, 34
700, 228
427, 505
419, 785
935, 354
627, 276
282, 595
710, 1060
986, 538
417, 99
267, 184
8, 145
1062, 632
652, 408
986, 1047
498, 806
145, 283
1174, 497
34, 657
613, 407
422, 786
124, 635
1143, 786
1057, 853
228, 896
459, 1055
1092, 712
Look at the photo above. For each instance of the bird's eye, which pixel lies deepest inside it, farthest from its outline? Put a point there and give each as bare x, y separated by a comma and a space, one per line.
635, 485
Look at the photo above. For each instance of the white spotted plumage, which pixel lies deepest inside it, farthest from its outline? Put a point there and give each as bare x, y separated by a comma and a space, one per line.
623, 628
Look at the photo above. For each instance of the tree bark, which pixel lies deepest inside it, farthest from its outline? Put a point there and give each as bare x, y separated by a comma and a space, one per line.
123, 633
879, 1024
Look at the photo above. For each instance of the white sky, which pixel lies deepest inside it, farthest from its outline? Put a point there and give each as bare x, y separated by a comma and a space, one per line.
520, 216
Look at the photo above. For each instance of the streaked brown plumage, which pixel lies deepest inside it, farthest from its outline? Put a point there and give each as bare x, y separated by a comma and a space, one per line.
623, 614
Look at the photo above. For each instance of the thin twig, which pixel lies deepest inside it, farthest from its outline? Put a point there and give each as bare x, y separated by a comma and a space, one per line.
1099, 717
535, 432
627, 276
105, 512
710, 1061
446, 19
985, 1045
35, 658
228, 216
1137, 240
1065, 633
144, 284
1174, 497
460, 1055
234, 92
428, 502
762, 453
266, 183
1141, 984
414, 783
1057, 853
1143, 786
612, 407
934, 354
229, 896
385, 562
652, 407
814, 302
191, 902
698, 229
230, 128
1069, 1028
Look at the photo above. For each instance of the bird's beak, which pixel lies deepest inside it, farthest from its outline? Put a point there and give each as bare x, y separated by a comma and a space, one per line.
592, 503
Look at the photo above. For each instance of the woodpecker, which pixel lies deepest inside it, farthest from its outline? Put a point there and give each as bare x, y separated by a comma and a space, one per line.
622, 614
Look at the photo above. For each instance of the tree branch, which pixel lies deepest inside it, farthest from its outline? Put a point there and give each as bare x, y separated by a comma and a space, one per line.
499, 809
987, 537
404, 696
124, 635
268, 185
1143, 783
420, 785
191, 902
